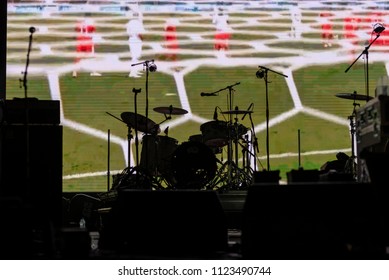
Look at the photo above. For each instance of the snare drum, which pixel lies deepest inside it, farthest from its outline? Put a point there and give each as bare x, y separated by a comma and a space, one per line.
215, 133
158, 150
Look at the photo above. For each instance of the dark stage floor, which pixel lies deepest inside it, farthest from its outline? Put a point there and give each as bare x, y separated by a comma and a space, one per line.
296, 221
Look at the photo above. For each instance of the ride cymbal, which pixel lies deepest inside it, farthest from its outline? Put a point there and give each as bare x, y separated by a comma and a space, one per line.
143, 124
353, 96
170, 110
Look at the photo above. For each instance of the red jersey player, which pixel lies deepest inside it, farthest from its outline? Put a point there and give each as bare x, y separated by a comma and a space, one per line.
326, 29
171, 38
222, 34
85, 45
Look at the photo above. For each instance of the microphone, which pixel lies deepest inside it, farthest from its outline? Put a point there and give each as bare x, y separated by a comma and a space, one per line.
378, 28
248, 109
215, 114
208, 94
260, 74
32, 29
152, 66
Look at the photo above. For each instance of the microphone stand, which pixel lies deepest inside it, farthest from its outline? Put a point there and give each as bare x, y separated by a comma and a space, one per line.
366, 53
264, 74
27, 120
146, 65
351, 118
229, 150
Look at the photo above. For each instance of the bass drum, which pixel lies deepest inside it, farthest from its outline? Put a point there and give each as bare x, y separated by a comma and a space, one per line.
194, 165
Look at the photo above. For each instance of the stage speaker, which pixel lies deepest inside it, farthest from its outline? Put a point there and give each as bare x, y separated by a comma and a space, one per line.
316, 221
31, 167
165, 224
271, 176
301, 175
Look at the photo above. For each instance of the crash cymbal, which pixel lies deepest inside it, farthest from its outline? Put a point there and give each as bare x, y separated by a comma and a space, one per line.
144, 124
233, 112
353, 96
170, 110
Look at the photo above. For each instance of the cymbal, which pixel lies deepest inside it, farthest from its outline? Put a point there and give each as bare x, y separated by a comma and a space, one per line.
353, 96
233, 112
170, 110
144, 124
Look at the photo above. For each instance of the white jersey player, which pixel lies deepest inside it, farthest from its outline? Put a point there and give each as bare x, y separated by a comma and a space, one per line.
135, 29
295, 14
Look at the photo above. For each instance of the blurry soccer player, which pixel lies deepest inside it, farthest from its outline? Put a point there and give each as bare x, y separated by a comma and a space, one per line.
85, 43
295, 31
351, 32
222, 34
326, 29
135, 29
171, 38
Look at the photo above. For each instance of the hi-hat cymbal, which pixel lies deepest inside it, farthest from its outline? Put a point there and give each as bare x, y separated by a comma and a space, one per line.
353, 96
170, 110
233, 112
144, 124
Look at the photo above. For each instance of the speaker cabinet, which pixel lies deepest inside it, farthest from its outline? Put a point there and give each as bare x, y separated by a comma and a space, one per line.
165, 223
313, 221
31, 167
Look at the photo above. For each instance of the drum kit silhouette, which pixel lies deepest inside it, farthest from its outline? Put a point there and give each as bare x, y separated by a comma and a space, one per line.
193, 164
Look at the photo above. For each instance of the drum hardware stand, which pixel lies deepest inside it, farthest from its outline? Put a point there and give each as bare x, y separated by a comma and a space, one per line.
350, 166
246, 159
263, 73
129, 136
128, 172
230, 163
255, 142
135, 91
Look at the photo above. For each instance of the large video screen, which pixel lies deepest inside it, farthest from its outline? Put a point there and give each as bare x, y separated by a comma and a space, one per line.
266, 84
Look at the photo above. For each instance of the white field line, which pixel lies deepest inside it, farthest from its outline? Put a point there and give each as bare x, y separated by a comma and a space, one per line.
323, 152
91, 174
293, 89
278, 119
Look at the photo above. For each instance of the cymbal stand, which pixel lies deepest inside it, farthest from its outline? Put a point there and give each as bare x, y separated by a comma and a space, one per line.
350, 166
136, 91
129, 137
263, 73
230, 162
254, 142
247, 171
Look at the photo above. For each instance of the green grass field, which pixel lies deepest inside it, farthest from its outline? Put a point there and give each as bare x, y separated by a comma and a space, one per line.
86, 100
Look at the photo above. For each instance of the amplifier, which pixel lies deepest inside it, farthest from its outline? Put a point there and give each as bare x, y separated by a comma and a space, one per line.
39, 111
372, 123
